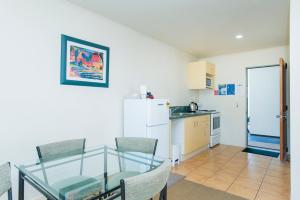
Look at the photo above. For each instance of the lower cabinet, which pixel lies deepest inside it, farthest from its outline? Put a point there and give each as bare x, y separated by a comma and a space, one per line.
196, 133
191, 133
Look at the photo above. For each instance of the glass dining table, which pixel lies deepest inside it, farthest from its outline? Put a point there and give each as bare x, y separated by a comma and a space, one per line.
95, 174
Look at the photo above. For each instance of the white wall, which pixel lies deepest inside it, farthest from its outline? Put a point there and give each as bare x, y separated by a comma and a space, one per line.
36, 109
232, 69
295, 97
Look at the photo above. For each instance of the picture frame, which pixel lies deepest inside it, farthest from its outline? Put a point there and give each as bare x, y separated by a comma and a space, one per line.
84, 63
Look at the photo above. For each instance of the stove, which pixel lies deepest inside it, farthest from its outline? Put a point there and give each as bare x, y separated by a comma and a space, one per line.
215, 129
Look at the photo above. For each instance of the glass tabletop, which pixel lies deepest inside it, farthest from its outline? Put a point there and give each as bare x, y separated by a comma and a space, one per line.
97, 171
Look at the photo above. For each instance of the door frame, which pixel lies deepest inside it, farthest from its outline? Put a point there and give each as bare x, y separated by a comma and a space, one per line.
283, 109
246, 120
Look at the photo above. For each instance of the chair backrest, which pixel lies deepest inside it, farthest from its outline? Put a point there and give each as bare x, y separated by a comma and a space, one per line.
62, 149
147, 185
56, 150
136, 144
5, 180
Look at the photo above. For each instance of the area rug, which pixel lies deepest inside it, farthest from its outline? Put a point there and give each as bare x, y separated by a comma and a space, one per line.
187, 190
261, 152
174, 178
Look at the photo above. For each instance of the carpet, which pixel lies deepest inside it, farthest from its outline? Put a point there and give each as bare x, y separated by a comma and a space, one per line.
187, 190
261, 152
174, 178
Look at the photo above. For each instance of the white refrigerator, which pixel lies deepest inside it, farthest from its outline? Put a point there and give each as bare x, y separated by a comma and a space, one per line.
148, 118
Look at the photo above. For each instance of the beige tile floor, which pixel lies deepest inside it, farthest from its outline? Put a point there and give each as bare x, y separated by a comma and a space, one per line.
251, 176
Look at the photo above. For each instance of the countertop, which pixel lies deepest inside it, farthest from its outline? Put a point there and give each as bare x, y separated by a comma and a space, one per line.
189, 114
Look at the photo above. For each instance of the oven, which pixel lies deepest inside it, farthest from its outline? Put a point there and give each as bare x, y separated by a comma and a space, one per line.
215, 130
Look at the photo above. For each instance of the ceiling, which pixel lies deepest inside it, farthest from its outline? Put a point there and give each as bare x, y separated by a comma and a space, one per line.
202, 27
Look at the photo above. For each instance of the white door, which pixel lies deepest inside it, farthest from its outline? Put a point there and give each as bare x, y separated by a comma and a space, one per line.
157, 112
264, 101
161, 133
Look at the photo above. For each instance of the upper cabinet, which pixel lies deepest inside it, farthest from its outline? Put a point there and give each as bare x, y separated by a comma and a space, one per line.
201, 75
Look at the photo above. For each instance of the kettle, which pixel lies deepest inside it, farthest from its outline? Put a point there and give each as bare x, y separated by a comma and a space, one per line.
193, 107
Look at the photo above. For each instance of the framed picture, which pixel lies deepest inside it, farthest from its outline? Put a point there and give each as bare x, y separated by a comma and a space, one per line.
230, 89
222, 89
84, 63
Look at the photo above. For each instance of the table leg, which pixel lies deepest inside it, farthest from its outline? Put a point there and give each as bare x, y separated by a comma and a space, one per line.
166, 192
21, 186
9, 193
163, 193
105, 168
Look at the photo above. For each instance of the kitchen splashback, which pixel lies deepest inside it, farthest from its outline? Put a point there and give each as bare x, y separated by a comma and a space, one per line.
179, 109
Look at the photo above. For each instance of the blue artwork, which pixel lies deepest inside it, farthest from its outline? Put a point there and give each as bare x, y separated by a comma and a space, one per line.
222, 89
230, 89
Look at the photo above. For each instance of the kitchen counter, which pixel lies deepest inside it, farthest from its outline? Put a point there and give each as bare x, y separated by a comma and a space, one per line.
188, 114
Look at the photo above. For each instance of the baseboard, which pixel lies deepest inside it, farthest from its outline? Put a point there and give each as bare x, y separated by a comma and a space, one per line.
192, 154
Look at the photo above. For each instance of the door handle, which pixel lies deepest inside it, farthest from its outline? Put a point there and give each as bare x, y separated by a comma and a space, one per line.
281, 116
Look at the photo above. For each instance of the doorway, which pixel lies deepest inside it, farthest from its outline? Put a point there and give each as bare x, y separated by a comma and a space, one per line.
263, 107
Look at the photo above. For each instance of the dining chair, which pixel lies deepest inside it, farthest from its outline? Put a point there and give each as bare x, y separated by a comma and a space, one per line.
82, 186
5, 180
145, 186
136, 144
131, 144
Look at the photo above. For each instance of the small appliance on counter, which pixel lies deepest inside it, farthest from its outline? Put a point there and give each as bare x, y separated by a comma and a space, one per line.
143, 91
150, 95
193, 107
144, 94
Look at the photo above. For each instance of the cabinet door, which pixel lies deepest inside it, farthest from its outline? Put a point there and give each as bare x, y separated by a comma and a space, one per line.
196, 133
202, 132
197, 75
189, 135
204, 128
210, 69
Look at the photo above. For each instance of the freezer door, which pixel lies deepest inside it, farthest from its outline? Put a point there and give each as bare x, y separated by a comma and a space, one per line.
157, 112
161, 133
135, 118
